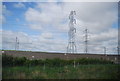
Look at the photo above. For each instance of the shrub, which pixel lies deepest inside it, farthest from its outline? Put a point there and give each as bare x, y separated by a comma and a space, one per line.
8, 60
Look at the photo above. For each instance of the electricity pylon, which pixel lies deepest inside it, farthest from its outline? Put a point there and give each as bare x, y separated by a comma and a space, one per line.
71, 48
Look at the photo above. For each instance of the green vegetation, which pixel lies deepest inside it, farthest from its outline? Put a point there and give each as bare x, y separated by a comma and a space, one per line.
22, 61
22, 68
64, 72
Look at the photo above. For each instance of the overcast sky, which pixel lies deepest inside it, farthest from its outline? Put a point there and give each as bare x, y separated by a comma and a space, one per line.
44, 26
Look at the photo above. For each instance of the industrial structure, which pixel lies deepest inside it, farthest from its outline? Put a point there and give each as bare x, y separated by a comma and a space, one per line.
17, 44
86, 41
71, 48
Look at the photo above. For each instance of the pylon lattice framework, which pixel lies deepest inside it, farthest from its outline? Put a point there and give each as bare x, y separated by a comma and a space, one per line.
86, 40
16, 44
71, 48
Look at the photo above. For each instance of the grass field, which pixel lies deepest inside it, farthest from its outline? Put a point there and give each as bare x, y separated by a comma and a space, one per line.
92, 71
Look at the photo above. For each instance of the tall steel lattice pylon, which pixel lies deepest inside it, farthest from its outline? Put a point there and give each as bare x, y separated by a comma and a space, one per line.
16, 44
71, 48
86, 40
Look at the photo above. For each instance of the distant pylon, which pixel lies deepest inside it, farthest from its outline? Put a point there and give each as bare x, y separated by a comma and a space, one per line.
16, 44
118, 50
71, 48
105, 50
86, 41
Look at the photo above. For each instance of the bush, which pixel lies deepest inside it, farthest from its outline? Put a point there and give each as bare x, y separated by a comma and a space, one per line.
8, 60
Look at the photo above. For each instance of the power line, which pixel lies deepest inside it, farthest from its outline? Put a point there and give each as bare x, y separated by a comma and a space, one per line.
71, 48
17, 43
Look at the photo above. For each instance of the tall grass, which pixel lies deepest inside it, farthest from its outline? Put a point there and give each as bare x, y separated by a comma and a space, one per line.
65, 72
